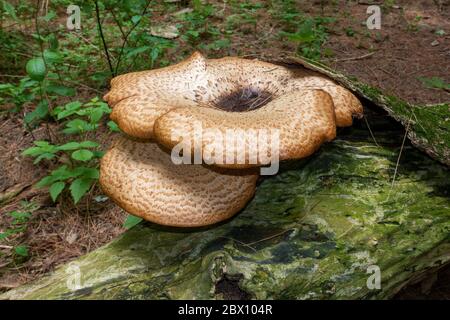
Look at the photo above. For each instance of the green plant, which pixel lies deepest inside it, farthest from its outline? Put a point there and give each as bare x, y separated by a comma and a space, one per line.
46, 81
81, 118
18, 225
196, 23
435, 83
80, 169
350, 32
286, 11
18, 94
310, 35
413, 25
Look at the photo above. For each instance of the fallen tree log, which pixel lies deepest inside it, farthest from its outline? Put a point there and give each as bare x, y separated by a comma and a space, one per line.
322, 228
428, 126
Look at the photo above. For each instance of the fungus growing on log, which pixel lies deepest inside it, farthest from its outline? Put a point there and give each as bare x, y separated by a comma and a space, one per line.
229, 84
141, 178
251, 112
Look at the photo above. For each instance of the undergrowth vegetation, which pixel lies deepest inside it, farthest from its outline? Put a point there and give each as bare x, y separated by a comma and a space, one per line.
121, 36
52, 78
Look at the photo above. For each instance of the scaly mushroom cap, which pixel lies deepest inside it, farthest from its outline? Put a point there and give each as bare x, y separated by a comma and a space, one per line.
267, 81
230, 84
300, 120
139, 98
142, 179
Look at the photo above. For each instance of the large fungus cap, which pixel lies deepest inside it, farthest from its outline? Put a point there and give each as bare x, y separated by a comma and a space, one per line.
229, 84
295, 123
142, 179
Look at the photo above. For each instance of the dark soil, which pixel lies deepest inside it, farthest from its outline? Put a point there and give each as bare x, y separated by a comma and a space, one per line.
228, 288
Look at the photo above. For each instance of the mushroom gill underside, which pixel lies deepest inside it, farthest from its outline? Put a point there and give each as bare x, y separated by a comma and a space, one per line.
203, 104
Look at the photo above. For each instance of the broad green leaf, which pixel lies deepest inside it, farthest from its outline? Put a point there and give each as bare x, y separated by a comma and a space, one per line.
45, 181
67, 110
40, 112
52, 56
60, 174
43, 156
41, 143
95, 115
69, 146
113, 126
74, 105
6, 86
64, 173
21, 250
84, 172
131, 221
79, 187
82, 155
56, 189
88, 144
32, 151
136, 19
79, 126
36, 69
98, 154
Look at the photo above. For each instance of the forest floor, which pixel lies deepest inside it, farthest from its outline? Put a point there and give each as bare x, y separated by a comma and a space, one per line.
412, 45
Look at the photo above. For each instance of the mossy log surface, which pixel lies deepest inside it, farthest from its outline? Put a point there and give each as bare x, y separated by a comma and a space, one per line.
428, 126
311, 232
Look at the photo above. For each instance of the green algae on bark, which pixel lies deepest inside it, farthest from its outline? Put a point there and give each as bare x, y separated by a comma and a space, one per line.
311, 232
428, 125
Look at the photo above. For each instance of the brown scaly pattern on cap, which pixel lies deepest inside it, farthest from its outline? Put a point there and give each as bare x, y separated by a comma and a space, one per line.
139, 98
230, 73
142, 179
304, 120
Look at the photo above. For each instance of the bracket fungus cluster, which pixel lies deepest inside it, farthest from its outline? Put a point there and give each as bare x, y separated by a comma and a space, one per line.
235, 99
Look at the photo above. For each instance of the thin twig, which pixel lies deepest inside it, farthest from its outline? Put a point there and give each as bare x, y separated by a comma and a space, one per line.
364, 56
370, 130
127, 35
240, 242
269, 237
400, 153
124, 37
105, 46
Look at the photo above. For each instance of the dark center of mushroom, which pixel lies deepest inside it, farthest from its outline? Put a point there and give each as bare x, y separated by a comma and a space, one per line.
245, 99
